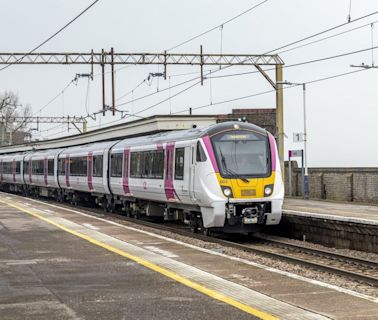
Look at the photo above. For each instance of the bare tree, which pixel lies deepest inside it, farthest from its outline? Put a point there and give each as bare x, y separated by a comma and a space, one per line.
14, 119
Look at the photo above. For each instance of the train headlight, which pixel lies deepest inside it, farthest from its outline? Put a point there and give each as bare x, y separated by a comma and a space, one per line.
268, 190
227, 192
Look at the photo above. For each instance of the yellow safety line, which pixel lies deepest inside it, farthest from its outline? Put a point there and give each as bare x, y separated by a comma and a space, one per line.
170, 274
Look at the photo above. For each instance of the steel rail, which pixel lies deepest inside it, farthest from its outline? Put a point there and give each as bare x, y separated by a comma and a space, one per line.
319, 252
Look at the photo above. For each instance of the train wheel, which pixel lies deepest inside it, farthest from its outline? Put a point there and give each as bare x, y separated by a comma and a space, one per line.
206, 232
194, 222
193, 228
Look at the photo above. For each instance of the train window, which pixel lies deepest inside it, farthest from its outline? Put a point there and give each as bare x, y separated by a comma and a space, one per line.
18, 167
116, 164
26, 167
7, 169
158, 164
169, 165
50, 167
201, 156
37, 167
137, 164
147, 164
134, 164
179, 163
78, 166
61, 167
97, 166
147, 168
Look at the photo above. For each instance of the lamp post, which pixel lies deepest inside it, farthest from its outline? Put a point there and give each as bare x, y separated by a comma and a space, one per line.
305, 178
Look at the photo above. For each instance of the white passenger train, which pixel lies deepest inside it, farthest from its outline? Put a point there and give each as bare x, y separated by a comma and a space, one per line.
226, 176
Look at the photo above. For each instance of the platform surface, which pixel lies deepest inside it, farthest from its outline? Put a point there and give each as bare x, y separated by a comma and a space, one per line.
349, 212
59, 263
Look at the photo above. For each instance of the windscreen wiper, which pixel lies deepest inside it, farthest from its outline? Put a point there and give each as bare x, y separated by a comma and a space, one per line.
233, 173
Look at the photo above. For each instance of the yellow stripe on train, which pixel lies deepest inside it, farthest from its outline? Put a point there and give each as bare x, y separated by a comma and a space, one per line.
243, 190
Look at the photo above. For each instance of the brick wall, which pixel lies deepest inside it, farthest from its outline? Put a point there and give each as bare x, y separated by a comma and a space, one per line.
343, 184
265, 118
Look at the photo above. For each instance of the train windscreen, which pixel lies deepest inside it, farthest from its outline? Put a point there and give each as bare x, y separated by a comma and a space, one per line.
242, 154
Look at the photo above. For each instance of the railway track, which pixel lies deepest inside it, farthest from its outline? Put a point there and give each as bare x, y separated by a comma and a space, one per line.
361, 270
358, 269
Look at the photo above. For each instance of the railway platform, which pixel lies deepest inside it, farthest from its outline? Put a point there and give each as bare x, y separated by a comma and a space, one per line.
335, 224
62, 263
338, 211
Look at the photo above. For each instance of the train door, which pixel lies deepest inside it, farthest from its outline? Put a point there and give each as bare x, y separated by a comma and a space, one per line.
201, 170
181, 172
192, 170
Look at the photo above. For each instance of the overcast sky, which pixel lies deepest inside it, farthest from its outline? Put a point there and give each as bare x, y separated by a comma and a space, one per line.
342, 113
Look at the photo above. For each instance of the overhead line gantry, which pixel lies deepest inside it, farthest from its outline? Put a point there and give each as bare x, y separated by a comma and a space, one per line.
201, 59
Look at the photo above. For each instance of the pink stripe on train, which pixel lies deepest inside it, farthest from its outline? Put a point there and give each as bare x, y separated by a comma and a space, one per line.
168, 164
67, 164
30, 171
45, 170
210, 151
125, 178
14, 170
90, 170
272, 143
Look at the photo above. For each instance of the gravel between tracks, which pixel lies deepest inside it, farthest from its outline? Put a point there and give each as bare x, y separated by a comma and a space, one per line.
353, 253
322, 276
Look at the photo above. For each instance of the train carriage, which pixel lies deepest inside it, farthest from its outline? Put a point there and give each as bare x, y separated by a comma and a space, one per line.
40, 172
11, 168
224, 176
83, 171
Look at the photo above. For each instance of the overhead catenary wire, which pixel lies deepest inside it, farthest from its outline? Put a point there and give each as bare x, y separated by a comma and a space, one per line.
372, 43
300, 63
282, 47
213, 103
292, 43
215, 70
322, 32
270, 91
327, 38
251, 72
55, 34
297, 47
228, 100
61, 92
136, 114
252, 95
217, 26
166, 99
132, 91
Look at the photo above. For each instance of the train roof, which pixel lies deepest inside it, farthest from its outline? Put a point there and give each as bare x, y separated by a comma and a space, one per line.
42, 154
190, 134
11, 157
140, 127
96, 146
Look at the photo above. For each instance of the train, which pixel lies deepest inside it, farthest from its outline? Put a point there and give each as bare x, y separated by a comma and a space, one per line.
224, 177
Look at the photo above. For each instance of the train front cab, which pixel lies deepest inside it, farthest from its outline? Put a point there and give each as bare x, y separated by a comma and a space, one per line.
248, 172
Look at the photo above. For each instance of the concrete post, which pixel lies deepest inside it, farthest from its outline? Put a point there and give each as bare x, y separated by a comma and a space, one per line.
279, 116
